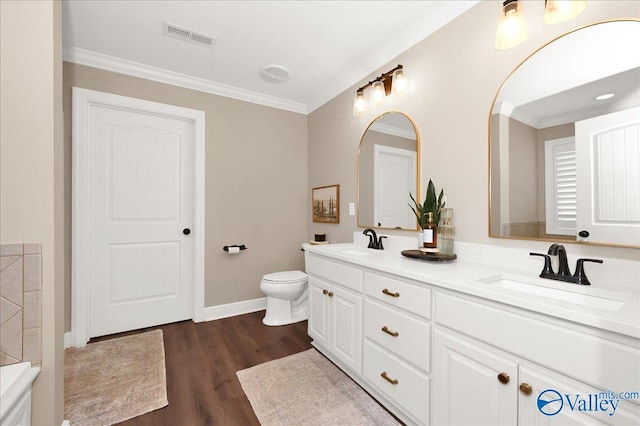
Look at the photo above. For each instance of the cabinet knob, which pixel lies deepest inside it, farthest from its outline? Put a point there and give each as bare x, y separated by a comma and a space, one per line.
325, 291
388, 293
503, 378
330, 294
526, 388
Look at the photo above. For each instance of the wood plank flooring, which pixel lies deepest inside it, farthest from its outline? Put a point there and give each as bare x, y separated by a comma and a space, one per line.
202, 360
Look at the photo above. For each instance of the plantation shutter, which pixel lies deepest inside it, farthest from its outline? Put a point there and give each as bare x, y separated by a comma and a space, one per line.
560, 186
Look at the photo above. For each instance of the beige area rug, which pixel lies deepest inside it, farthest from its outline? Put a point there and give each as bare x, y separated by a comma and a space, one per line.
306, 389
114, 380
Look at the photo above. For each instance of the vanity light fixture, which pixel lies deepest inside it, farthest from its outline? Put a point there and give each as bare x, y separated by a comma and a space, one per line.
394, 81
512, 26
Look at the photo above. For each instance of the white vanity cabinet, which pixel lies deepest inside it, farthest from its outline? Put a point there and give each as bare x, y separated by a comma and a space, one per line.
335, 321
434, 353
490, 366
335, 310
397, 342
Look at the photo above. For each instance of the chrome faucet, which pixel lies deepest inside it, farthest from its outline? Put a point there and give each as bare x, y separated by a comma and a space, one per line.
374, 241
564, 274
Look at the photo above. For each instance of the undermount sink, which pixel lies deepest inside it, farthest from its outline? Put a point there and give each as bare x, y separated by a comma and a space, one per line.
514, 283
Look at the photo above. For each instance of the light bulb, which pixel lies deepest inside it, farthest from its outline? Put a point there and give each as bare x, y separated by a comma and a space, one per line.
512, 27
400, 83
557, 11
378, 96
359, 104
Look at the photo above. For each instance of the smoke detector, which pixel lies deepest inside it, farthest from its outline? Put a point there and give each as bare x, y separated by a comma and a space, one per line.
186, 34
275, 74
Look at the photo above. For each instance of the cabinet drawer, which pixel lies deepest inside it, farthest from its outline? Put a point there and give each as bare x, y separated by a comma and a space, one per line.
405, 336
591, 359
335, 271
412, 297
410, 392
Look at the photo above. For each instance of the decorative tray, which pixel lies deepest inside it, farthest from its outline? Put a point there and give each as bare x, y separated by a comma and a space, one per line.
433, 257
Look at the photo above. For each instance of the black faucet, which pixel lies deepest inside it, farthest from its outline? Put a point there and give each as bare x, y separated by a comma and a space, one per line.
564, 274
374, 241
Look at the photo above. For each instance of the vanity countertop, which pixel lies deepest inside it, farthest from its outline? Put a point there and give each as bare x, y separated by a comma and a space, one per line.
588, 305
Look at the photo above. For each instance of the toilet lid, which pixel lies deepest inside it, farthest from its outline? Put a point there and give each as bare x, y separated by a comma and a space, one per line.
285, 276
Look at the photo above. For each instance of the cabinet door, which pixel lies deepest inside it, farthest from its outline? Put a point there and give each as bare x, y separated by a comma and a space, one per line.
346, 327
467, 389
568, 402
319, 305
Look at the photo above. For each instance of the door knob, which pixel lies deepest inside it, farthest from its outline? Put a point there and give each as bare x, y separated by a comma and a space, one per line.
330, 294
186, 231
503, 378
325, 291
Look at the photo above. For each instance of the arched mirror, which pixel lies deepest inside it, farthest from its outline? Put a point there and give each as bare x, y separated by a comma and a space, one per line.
388, 169
565, 153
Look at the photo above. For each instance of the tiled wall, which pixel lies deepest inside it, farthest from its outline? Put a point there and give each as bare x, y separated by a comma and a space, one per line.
20, 303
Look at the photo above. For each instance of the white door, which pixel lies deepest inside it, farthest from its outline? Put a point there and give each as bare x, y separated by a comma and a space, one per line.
143, 244
394, 177
608, 177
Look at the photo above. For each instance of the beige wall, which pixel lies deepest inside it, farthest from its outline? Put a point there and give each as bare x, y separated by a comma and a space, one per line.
523, 174
30, 182
456, 73
255, 185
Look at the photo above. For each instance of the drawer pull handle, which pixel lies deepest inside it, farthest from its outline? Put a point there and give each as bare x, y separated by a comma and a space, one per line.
388, 293
393, 333
388, 379
526, 388
503, 378
330, 294
325, 291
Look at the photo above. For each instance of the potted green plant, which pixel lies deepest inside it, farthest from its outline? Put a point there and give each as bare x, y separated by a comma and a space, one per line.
431, 204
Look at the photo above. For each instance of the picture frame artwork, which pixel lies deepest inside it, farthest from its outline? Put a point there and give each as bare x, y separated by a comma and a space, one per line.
325, 204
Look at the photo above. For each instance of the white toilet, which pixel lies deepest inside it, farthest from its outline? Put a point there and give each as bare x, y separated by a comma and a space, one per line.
287, 298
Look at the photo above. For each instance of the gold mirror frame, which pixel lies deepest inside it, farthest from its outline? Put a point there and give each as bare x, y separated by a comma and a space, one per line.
489, 133
418, 172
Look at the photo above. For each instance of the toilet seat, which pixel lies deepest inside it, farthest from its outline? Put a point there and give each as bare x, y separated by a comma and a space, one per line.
285, 277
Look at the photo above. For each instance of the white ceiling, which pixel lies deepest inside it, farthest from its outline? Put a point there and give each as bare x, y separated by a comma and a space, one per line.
327, 46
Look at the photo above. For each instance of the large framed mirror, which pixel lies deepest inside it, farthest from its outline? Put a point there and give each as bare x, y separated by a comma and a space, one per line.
564, 155
388, 170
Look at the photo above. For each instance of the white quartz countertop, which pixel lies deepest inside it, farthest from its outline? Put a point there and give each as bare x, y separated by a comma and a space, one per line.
617, 312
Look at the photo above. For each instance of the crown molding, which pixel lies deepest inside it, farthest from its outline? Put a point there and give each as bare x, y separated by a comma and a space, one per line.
122, 66
393, 131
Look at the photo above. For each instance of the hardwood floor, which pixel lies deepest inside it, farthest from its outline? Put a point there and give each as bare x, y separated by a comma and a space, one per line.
202, 360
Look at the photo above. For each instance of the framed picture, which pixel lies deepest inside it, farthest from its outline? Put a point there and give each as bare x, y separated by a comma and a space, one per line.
325, 204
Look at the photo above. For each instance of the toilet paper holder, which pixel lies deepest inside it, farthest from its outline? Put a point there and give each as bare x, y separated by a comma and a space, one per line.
240, 246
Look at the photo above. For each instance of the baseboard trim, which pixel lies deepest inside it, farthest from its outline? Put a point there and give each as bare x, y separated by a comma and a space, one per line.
67, 340
232, 309
214, 312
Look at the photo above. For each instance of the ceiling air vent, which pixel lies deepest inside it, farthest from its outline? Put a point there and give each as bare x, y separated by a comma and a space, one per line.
175, 31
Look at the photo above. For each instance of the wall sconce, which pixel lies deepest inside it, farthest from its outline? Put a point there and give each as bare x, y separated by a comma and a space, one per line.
394, 81
512, 27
